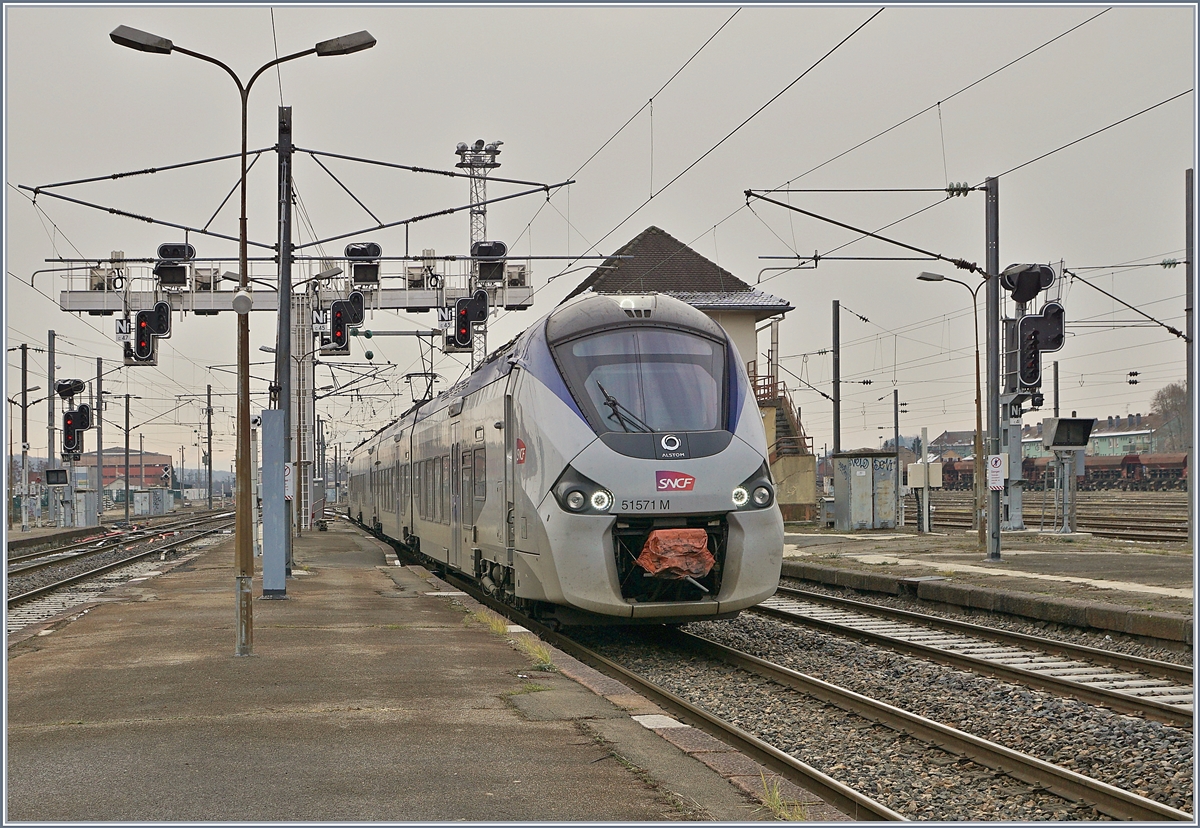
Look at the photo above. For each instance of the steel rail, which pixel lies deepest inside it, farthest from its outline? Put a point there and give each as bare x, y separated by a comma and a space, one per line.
17, 600
1075, 787
1163, 669
1120, 702
147, 528
958, 519
847, 800
79, 551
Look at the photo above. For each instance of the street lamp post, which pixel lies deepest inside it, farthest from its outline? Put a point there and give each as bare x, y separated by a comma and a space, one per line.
128, 397
25, 392
243, 526
979, 464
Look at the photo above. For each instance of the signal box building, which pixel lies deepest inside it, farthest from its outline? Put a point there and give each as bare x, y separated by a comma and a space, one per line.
157, 467
656, 262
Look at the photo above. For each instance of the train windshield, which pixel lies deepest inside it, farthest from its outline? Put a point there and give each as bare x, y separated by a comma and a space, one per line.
646, 379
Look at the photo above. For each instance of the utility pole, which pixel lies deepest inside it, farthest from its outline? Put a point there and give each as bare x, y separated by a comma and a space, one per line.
208, 411
283, 340
8, 509
992, 221
1190, 344
896, 433
126, 460
24, 437
51, 409
141, 461
837, 378
98, 413
925, 484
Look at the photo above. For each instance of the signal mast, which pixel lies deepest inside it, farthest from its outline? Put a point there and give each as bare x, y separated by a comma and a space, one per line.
478, 160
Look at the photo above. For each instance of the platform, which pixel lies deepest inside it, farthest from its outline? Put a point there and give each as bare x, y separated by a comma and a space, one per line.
1139, 588
369, 696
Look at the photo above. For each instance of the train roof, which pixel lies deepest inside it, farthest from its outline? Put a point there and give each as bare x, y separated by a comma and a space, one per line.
593, 312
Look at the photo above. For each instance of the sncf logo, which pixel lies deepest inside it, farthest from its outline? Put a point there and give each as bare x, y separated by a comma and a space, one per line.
668, 481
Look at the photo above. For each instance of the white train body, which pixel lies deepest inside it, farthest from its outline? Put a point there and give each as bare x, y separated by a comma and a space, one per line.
544, 473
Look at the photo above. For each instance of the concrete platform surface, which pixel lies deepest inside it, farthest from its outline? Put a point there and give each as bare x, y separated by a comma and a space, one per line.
366, 698
1139, 588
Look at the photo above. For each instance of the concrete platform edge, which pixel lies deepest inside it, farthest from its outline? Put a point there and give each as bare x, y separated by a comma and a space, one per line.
746, 776
1093, 614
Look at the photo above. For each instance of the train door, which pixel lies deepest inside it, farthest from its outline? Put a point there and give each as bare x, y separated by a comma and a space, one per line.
375, 499
510, 463
456, 534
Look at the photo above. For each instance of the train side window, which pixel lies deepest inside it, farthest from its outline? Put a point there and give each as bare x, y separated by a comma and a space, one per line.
430, 513
445, 489
480, 478
419, 488
466, 486
416, 488
435, 479
430, 481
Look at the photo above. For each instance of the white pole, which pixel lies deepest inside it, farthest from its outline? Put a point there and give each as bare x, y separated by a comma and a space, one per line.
925, 461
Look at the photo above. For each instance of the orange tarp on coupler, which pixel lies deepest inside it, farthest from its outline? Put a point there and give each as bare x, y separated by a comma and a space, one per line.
677, 553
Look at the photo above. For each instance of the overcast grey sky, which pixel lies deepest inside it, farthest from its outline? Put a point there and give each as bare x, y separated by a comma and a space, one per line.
555, 84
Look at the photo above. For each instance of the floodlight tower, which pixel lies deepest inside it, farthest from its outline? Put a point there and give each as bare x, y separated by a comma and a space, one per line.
478, 160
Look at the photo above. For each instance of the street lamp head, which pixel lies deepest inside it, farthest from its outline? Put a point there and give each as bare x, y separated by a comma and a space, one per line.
931, 277
142, 41
243, 302
344, 45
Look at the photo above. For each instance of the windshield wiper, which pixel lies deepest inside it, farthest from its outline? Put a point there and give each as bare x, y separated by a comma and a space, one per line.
621, 414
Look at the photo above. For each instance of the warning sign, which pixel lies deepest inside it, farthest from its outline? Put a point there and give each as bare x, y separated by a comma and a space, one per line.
996, 468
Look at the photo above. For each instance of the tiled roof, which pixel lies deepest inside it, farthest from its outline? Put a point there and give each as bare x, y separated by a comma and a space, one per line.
738, 300
954, 438
1123, 426
659, 263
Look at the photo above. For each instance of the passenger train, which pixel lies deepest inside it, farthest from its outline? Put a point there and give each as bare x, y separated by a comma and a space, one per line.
609, 465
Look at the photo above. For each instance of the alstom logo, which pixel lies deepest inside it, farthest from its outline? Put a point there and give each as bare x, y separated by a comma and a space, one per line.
669, 481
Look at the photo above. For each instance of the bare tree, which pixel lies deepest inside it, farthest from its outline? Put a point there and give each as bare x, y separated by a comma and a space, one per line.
1171, 403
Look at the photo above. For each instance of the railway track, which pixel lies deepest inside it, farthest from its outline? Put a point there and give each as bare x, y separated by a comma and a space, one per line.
1157, 690
1043, 776
44, 558
1005, 773
1124, 519
38, 594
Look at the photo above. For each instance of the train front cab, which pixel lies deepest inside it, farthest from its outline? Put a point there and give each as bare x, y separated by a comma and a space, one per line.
646, 428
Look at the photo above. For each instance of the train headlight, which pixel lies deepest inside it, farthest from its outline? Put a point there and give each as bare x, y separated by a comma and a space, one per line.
580, 495
756, 492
